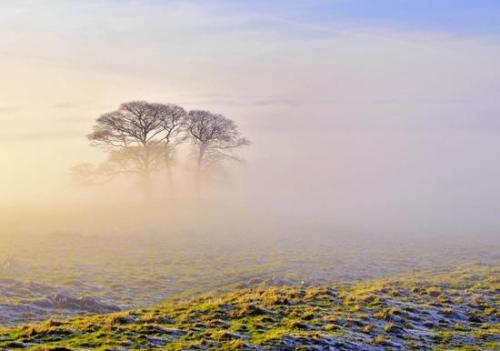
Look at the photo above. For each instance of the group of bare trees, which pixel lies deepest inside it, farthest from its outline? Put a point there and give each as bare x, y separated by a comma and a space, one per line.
142, 139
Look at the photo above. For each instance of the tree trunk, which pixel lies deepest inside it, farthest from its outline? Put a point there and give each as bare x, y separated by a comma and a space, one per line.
146, 176
199, 169
169, 169
170, 181
146, 185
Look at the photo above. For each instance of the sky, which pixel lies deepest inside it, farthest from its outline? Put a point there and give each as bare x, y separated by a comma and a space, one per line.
384, 110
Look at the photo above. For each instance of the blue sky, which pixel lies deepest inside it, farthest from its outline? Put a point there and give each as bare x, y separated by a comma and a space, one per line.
460, 17
454, 16
463, 17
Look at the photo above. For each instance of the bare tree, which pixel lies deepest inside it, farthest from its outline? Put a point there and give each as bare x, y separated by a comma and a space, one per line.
216, 138
139, 137
172, 119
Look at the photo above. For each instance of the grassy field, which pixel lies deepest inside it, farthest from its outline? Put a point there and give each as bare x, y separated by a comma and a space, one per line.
257, 286
447, 310
61, 275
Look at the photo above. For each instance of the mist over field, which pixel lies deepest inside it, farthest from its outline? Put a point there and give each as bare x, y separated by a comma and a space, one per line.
249, 175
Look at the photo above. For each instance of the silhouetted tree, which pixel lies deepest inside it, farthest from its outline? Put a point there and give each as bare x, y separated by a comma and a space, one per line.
216, 138
172, 119
140, 138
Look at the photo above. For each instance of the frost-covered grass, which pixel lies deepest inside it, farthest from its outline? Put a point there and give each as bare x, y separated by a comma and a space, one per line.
449, 310
141, 270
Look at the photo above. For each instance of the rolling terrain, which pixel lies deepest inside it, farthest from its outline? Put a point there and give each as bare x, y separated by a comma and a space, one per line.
442, 310
59, 275
217, 285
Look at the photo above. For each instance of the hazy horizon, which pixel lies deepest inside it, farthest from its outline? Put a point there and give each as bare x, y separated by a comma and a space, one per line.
386, 116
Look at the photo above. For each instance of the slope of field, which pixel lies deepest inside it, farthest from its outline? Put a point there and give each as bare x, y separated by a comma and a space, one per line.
447, 310
52, 276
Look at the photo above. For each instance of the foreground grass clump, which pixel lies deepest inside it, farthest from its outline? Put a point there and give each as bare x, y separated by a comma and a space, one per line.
450, 310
